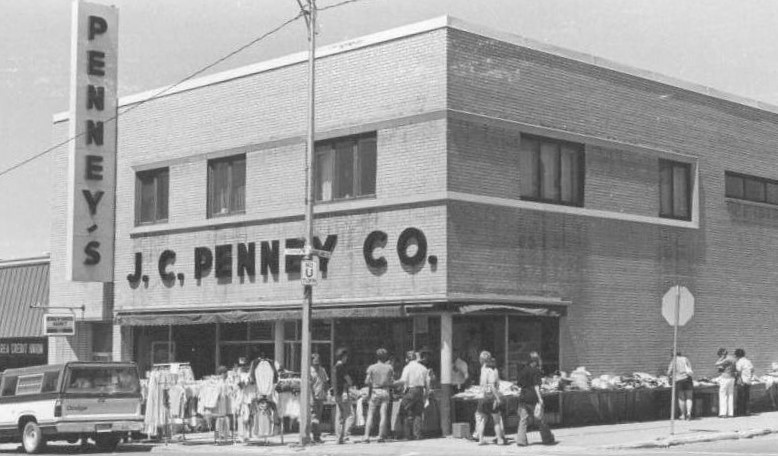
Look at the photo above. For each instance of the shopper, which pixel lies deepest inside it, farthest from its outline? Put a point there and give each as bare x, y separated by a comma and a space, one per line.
727, 371
416, 382
531, 402
459, 372
342, 383
319, 387
744, 375
681, 373
492, 403
379, 381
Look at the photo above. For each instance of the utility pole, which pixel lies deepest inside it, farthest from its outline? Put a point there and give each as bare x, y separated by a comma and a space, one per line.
305, 374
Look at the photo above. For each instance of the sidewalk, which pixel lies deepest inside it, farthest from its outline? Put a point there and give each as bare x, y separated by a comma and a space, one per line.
655, 434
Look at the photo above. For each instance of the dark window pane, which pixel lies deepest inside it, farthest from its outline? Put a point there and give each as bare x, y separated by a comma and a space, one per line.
238, 194
367, 166
147, 210
681, 191
528, 168
549, 166
163, 178
665, 188
227, 186
324, 157
772, 193
569, 179
234, 331
344, 170
734, 186
754, 190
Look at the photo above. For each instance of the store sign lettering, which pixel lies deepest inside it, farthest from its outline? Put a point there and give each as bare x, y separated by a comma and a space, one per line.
219, 260
92, 153
226, 261
5, 349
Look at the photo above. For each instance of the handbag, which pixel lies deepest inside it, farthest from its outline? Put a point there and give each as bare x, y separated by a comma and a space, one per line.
538, 412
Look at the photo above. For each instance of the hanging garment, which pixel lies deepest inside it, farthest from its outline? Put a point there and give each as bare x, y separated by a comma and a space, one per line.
265, 376
264, 419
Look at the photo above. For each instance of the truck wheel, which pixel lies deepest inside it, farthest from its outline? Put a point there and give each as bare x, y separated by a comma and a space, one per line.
107, 442
33, 440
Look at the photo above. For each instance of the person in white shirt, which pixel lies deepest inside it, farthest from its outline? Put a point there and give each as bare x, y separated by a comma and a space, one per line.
416, 382
745, 375
492, 403
459, 372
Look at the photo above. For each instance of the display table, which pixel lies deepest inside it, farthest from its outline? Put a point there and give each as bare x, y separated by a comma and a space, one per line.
579, 408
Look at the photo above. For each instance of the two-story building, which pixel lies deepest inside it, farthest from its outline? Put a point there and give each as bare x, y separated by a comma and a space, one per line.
477, 191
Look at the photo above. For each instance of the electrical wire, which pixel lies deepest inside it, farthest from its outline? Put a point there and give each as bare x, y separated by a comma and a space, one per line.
158, 94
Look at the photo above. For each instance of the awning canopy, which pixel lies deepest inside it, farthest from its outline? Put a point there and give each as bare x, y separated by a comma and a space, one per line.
243, 316
515, 310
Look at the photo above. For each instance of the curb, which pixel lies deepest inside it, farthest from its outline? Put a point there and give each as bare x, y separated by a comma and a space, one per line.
698, 438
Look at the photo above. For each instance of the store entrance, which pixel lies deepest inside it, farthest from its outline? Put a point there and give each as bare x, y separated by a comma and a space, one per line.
195, 344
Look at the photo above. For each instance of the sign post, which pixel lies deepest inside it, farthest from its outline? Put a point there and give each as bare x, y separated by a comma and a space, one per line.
677, 309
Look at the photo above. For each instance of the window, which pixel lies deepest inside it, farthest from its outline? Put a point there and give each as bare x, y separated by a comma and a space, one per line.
227, 186
346, 168
674, 190
151, 196
551, 171
751, 188
29, 384
9, 386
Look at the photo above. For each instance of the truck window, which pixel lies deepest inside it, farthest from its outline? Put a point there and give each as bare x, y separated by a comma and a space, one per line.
29, 384
102, 380
50, 382
9, 386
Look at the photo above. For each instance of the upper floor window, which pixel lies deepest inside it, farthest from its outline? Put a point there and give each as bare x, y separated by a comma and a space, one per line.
751, 188
151, 196
345, 167
551, 171
674, 190
227, 186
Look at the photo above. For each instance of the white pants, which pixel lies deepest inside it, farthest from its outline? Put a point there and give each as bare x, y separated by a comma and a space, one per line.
726, 397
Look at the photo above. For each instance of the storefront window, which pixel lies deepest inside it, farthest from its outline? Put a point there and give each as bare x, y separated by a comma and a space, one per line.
250, 340
321, 343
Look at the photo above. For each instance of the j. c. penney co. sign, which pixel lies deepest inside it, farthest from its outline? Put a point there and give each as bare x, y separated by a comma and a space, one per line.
248, 259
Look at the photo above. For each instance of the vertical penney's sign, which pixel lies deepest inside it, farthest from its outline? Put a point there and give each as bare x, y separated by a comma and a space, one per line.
92, 155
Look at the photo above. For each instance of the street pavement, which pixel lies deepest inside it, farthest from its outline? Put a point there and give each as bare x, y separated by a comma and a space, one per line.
756, 434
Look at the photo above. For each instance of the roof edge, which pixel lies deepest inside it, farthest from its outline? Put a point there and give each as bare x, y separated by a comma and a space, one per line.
428, 26
25, 261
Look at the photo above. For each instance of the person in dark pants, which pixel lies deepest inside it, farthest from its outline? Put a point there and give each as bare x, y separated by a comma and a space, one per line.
744, 376
416, 383
342, 383
319, 387
531, 402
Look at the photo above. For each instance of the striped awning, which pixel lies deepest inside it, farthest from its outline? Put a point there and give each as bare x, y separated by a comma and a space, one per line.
22, 285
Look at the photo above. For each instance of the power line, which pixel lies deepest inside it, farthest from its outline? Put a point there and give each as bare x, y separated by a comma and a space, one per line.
159, 93
338, 4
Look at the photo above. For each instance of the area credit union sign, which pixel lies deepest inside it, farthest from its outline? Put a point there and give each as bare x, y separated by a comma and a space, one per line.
92, 150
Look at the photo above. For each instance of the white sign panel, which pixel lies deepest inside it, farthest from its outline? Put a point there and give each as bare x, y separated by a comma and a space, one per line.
59, 325
678, 296
309, 271
92, 154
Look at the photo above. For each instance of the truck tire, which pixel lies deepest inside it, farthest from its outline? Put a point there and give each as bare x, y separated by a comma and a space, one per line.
107, 442
33, 439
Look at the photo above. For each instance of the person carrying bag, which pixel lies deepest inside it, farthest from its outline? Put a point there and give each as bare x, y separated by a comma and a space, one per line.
531, 402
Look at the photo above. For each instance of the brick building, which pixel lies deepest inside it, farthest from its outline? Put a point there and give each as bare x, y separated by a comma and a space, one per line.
477, 190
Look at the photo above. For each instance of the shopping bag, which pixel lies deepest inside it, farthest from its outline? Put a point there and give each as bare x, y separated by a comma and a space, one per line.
538, 412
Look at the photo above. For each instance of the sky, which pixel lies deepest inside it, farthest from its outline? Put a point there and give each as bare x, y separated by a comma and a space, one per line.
729, 45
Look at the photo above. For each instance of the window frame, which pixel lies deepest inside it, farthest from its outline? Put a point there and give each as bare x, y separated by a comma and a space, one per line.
688, 168
211, 189
744, 180
330, 146
154, 173
580, 171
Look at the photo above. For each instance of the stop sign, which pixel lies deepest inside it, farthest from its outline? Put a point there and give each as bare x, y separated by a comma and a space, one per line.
685, 300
